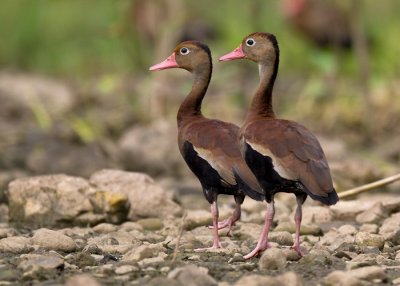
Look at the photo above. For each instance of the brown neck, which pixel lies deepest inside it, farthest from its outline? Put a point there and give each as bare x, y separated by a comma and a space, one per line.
261, 104
191, 106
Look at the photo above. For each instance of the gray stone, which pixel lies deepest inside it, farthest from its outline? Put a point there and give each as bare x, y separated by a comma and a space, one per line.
291, 255
393, 237
16, 244
373, 215
139, 253
368, 273
47, 200
5, 178
7, 232
272, 259
345, 210
52, 240
362, 260
196, 218
237, 257
164, 281
281, 237
368, 227
58, 200
317, 258
125, 269
153, 261
130, 225
333, 240
316, 215
347, 229
146, 198
151, 223
341, 278
105, 227
390, 228
248, 231
82, 280
192, 275
368, 239
48, 261
287, 279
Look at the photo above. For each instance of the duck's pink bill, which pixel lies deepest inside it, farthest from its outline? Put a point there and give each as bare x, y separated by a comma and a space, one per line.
235, 54
170, 62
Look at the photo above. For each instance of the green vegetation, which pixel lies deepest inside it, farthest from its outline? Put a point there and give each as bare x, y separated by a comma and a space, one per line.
103, 40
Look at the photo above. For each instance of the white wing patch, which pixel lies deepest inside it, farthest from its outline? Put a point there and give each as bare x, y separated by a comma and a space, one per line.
226, 174
276, 162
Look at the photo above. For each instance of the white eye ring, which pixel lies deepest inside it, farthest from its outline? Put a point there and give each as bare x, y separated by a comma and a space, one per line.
250, 42
184, 51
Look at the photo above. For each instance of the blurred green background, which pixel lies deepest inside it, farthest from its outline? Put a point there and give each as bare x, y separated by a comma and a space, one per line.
101, 50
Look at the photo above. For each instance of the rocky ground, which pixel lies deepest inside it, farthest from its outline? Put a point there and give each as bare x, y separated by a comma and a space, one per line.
112, 227
122, 228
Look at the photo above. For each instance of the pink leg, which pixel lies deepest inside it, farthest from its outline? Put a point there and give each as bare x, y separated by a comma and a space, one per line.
263, 241
297, 220
230, 221
216, 242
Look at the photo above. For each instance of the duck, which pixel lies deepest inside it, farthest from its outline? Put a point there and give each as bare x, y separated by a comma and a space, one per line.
283, 155
324, 23
210, 147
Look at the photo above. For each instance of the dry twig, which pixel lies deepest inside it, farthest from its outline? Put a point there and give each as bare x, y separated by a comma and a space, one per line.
178, 239
370, 186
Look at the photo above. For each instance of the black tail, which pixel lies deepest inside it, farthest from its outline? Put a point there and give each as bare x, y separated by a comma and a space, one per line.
331, 199
247, 189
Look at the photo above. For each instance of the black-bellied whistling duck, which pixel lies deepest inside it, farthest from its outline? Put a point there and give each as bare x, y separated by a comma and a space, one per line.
322, 22
282, 154
210, 147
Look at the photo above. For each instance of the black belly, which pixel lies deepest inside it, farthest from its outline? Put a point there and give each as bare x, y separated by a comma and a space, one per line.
211, 181
270, 181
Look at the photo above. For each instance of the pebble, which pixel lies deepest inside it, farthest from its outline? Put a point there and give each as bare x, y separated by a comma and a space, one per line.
369, 239
49, 261
373, 215
281, 237
105, 228
390, 224
341, 278
192, 275
52, 240
16, 244
151, 223
369, 227
152, 261
139, 253
368, 273
347, 229
272, 259
194, 257
82, 280
237, 257
287, 279
316, 215
125, 269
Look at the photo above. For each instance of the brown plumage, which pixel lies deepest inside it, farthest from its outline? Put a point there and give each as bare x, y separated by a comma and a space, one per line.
283, 155
210, 147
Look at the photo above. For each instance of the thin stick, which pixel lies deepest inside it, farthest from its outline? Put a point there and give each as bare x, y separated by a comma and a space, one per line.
370, 186
178, 239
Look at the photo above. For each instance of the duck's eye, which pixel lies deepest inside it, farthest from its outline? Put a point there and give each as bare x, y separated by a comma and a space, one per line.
184, 51
250, 42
